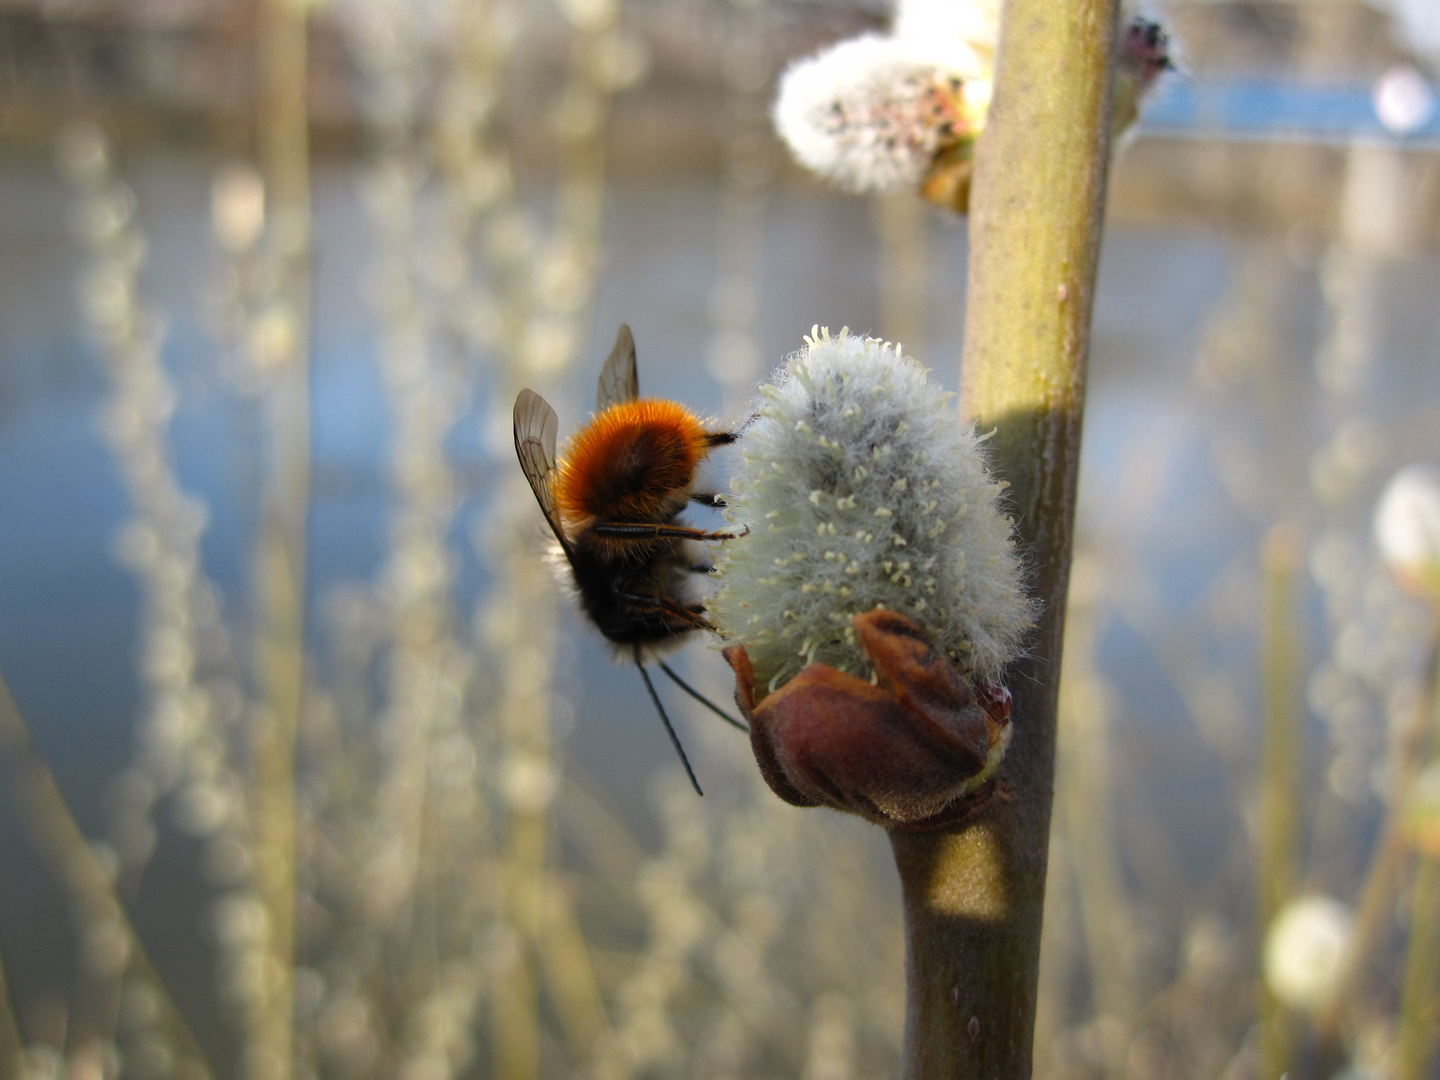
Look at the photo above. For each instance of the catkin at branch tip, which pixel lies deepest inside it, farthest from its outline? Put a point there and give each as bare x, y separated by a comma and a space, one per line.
863, 489
871, 113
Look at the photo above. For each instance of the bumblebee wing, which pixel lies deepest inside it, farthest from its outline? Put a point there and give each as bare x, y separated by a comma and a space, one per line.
535, 428
618, 381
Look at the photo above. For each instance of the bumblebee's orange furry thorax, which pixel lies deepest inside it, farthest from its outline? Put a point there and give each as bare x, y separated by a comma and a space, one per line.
629, 461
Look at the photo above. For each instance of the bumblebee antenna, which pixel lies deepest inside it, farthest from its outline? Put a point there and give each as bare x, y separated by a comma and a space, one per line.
674, 739
702, 698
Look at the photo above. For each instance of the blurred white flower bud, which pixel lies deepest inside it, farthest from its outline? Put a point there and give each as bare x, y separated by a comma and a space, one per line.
872, 113
1305, 950
902, 111
237, 205
1407, 528
529, 783
975, 24
1403, 100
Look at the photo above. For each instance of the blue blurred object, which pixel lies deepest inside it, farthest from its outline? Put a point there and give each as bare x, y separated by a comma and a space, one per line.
1275, 111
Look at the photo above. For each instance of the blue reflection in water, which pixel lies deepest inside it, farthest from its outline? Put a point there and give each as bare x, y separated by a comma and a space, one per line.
1272, 110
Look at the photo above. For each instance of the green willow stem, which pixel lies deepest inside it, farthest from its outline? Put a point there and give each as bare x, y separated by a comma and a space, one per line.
1387, 863
974, 894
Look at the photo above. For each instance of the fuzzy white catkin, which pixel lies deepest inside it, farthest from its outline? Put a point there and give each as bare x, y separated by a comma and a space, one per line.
877, 113
963, 28
1305, 950
1407, 521
863, 489
860, 112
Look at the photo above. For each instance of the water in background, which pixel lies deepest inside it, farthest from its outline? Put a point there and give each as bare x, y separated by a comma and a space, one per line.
1182, 473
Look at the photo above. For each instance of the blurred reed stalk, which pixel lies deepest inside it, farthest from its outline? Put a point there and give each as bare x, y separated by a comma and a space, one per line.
1086, 871
1378, 216
544, 285
1085, 789
283, 133
1420, 994
461, 946
1282, 556
1419, 1006
761, 952
10, 1044
1376, 905
179, 750
743, 937
420, 974
1058, 949
160, 541
109, 943
734, 355
643, 1036
974, 894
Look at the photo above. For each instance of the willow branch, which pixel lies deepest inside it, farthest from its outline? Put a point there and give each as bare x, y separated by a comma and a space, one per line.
974, 894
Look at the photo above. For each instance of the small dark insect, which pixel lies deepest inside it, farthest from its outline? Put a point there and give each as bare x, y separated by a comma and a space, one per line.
613, 500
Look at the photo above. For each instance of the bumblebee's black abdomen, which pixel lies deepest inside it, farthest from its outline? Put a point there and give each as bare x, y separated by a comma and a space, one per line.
632, 608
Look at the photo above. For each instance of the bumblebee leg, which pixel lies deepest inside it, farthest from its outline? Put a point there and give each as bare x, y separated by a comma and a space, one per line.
702, 698
674, 739
617, 530
703, 569
715, 502
691, 618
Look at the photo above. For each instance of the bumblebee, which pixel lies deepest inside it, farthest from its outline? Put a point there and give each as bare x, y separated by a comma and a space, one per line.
613, 500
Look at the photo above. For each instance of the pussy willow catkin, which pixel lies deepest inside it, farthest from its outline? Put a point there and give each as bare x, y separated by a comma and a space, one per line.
863, 489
